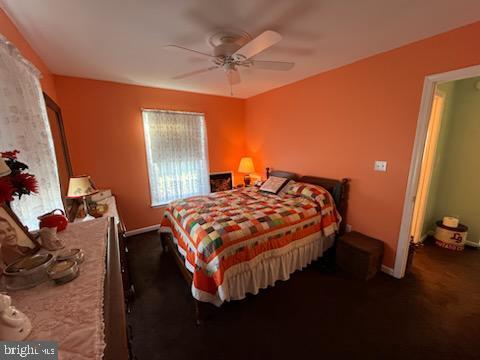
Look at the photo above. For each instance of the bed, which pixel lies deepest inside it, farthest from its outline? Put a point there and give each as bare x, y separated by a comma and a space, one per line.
232, 243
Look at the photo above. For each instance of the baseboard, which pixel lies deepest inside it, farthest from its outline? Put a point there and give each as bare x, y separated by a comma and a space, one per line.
387, 270
142, 230
472, 244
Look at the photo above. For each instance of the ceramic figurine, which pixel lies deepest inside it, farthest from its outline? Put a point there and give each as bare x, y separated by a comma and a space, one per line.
14, 325
50, 239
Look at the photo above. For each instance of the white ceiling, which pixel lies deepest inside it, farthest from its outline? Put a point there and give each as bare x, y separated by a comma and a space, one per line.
121, 40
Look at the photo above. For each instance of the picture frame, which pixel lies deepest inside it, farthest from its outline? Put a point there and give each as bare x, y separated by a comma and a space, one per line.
221, 181
15, 240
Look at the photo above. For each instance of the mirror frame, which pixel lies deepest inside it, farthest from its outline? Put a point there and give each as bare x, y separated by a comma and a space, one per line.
52, 105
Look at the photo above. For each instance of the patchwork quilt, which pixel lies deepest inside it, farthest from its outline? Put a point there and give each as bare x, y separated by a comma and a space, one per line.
216, 232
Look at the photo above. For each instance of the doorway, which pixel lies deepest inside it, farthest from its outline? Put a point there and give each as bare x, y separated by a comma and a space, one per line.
417, 210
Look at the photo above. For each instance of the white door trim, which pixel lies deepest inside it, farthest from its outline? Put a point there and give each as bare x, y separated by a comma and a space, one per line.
416, 162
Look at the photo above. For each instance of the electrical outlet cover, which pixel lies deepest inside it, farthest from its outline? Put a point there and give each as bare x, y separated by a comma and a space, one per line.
380, 165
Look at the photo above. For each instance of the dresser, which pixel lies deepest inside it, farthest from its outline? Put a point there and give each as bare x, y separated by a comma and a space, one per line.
87, 315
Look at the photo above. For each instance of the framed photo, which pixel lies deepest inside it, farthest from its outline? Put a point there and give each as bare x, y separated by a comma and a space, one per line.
221, 181
15, 240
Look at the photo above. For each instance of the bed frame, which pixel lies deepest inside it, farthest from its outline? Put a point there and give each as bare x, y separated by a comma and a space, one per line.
339, 190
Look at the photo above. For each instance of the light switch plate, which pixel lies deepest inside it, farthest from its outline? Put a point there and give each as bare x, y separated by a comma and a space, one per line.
380, 165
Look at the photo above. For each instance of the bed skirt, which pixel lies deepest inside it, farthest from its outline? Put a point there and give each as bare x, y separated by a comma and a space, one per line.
263, 270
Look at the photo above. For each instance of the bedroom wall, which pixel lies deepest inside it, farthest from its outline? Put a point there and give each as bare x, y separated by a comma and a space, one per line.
10, 31
336, 124
104, 129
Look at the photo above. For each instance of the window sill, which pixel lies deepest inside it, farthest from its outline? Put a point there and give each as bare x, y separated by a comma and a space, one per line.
159, 206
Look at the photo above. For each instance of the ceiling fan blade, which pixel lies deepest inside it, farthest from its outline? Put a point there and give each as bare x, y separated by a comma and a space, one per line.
176, 47
191, 73
233, 77
257, 45
272, 65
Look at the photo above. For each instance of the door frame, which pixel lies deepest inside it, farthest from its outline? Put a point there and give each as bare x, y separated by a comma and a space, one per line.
429, 85
427, 173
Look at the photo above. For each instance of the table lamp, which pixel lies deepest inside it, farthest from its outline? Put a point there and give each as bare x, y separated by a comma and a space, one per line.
246, 167
81, 187
4, 169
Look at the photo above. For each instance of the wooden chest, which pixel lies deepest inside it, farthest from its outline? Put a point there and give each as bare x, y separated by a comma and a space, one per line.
359, 255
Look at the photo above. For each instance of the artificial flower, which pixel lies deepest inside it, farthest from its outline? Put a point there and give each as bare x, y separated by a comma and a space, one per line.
10, 154
18, 182
26, 183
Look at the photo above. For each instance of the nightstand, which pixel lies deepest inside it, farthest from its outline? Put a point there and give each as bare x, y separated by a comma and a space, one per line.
359, 255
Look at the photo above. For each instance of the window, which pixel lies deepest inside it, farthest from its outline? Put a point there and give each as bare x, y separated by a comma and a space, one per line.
176, 144
24, 126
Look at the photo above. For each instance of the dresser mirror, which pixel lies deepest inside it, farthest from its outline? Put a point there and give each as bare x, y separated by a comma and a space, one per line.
60, 143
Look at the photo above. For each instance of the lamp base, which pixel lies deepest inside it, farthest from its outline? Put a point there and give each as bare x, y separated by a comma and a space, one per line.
247, 180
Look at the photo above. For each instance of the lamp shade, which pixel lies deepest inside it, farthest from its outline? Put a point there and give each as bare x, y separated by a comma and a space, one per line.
4, 169
80, 186
246, 166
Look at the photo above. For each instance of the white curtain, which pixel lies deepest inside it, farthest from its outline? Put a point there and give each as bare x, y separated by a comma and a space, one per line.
24, 126
176, 144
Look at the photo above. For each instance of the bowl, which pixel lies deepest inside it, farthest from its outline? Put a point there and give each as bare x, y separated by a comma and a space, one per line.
74, 254
28, 271
64, 271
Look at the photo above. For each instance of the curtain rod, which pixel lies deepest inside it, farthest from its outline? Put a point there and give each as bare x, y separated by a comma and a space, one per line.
173, 111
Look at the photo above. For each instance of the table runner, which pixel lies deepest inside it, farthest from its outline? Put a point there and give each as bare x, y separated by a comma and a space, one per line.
72, 314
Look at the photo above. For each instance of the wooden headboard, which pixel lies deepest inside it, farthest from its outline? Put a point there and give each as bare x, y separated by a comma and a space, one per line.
338, 188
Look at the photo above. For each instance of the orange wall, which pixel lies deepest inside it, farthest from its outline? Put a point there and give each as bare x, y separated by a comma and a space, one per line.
337, 123
104, 129
9, 30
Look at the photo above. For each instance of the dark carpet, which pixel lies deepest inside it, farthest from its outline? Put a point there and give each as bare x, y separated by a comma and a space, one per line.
433, 313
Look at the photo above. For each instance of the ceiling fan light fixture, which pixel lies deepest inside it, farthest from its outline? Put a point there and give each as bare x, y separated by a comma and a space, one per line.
236, 48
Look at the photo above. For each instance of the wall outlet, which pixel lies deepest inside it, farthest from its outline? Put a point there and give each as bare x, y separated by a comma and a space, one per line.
380, 165
348, 228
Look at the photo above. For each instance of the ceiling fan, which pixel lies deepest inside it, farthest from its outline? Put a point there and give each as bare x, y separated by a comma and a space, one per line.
233, 49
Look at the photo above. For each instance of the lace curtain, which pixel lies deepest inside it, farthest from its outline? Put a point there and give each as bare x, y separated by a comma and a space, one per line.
176, 144
24, 126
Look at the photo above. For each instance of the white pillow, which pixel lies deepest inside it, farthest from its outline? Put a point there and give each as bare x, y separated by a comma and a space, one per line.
274, 184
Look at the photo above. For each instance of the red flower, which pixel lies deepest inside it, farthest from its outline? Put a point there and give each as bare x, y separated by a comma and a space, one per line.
6, 190
26, 181
10, 154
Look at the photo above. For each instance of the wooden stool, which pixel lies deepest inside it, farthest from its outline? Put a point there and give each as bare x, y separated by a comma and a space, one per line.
359, 255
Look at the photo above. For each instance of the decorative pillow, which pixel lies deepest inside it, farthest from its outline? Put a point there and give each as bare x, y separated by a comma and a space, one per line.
286, 187
273, 184
312, 192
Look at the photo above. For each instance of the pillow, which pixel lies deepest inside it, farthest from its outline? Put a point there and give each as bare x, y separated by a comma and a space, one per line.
274, 184
286, 187
312, 192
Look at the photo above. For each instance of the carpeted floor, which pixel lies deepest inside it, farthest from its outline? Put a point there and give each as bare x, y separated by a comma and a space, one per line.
433, 313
